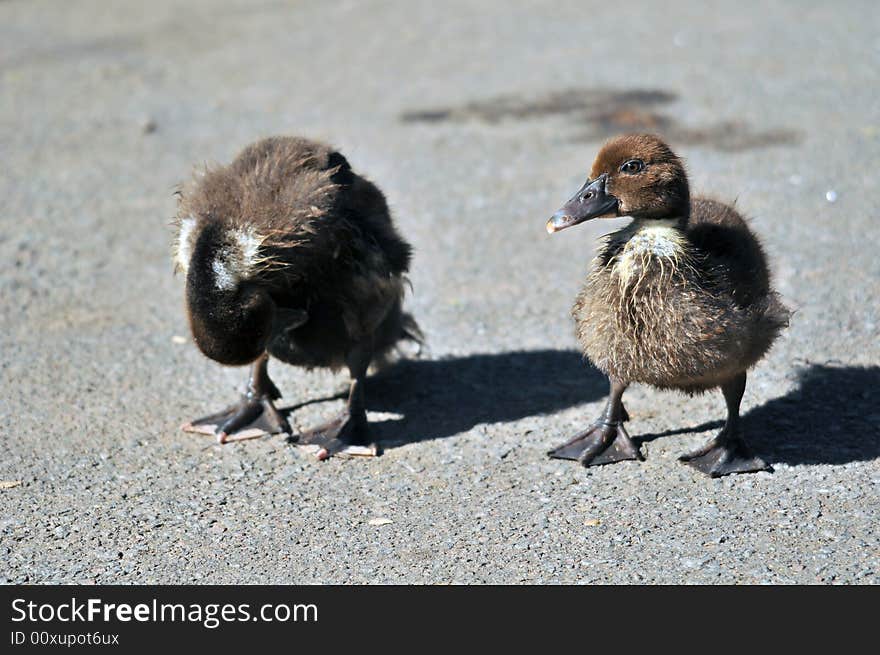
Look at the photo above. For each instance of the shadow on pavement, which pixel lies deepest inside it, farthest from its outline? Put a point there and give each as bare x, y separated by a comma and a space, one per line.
445, 397
831, 417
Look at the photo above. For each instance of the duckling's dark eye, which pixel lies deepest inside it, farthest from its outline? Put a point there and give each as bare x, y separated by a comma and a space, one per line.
633, 166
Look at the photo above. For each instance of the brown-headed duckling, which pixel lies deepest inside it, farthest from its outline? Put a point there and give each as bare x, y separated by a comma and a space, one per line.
678, 299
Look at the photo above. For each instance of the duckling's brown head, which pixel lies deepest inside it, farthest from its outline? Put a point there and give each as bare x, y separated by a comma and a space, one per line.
634, 175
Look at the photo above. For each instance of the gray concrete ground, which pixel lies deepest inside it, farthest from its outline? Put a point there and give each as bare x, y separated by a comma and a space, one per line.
477, 119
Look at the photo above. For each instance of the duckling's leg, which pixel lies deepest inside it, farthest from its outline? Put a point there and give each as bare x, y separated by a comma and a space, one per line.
350, 427
606, 441
727, 452
256, 412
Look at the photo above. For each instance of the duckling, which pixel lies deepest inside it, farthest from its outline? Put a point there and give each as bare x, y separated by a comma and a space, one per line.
289, 253
678, 299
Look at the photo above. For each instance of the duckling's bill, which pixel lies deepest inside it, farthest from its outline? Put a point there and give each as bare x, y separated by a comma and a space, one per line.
591, 201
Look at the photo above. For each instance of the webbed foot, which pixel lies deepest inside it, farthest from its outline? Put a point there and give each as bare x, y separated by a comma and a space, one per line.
603, 443
253, 416
723, 455
344, 435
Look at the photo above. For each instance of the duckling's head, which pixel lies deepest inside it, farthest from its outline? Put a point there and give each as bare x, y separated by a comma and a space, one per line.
634, 175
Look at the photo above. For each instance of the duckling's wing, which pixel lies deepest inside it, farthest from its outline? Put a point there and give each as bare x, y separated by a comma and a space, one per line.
729, 253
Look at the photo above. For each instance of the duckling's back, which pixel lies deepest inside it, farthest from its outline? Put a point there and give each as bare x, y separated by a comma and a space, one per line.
302, 199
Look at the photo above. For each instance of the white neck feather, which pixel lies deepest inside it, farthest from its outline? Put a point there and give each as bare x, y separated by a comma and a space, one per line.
658, 238
648, 223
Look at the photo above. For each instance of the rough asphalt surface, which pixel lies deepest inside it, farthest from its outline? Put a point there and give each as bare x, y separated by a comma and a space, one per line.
478, 120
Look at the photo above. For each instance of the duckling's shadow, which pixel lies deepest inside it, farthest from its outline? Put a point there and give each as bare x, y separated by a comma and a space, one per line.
831, 417
445, 397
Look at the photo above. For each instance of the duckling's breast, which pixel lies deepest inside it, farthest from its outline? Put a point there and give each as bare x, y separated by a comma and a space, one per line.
645, 316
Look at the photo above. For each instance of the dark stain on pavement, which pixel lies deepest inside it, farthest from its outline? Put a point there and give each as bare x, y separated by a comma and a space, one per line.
597, 114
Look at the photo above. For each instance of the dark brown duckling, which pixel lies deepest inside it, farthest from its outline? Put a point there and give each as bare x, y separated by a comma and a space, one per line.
288, 252
678, 299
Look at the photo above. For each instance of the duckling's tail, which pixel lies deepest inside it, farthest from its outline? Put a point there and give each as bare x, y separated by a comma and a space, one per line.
410, 330
771, 317
776, 315
398, 327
